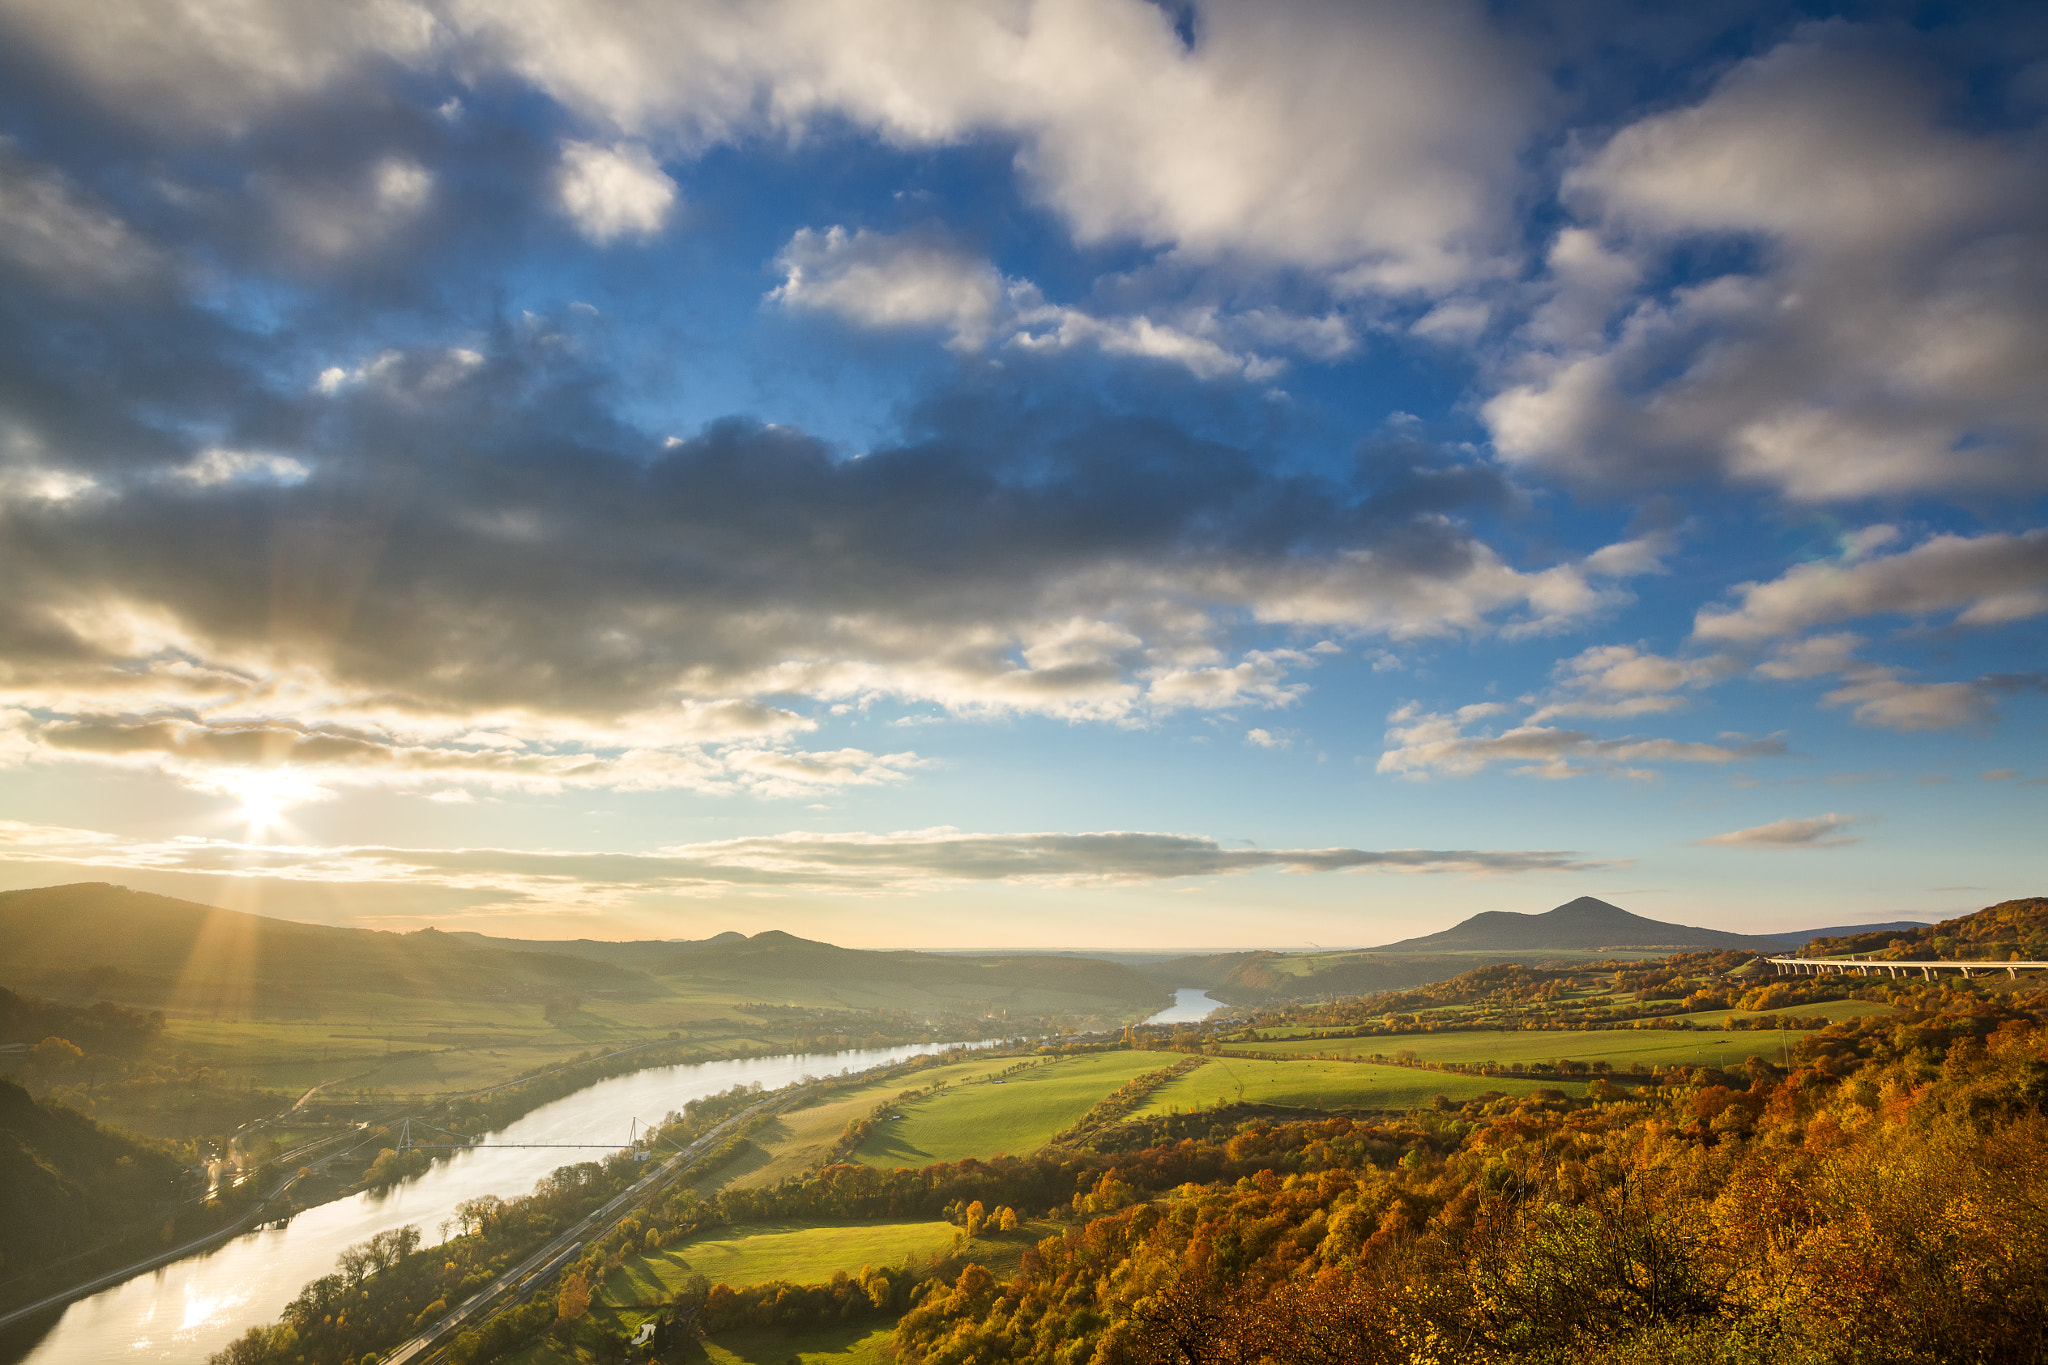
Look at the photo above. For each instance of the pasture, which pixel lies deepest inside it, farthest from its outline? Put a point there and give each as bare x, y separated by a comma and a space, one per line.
799, 1139
802, 1253
854, 1343
1325, 1085
1621, 1048
1017, 1114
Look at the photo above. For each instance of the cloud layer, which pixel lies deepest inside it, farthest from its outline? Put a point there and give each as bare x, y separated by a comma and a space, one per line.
841, 863
462, 545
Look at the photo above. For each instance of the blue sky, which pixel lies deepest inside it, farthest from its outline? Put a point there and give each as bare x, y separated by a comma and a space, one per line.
1024, 474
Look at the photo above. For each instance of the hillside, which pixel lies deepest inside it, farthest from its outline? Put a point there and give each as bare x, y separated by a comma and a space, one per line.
93, 941
1802, 937
1581, 927
1585, 923
632, 953
2014, 928
66, 1181
859, 977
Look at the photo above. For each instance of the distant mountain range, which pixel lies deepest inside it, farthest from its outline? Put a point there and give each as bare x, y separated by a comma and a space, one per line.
93, 941
1591, 923
1586, 926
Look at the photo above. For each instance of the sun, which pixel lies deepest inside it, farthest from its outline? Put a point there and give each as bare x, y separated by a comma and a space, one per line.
266, 794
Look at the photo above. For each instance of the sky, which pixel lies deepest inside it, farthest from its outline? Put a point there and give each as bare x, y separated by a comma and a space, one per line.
1024, 473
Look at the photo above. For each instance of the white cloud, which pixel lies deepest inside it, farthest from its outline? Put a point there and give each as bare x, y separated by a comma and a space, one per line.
1814, 657
1879, 695
882, 280
1615, 682
1886, 338
1420, 743
613, 192
1820, 831
1986, 580
1375, 142
31, 483
878, 280
851, 863
218, 466
1882, 699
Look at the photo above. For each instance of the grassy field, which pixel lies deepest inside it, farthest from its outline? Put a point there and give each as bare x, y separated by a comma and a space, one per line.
852, 1344
804, 1253
1015, 1115
801, 1138
1327, 1085
1831, 1011
1619, 1047
856, 1343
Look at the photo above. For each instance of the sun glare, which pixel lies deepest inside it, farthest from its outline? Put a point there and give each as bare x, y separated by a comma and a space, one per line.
266, 794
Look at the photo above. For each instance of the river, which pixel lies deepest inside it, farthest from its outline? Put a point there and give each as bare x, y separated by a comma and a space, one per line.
189, 1309
1188, 1005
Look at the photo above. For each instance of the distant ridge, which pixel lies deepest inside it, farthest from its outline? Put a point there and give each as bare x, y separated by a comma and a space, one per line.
1803, 937
92, 941
1587, 922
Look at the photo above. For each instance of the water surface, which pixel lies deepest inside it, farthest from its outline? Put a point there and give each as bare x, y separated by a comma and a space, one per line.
1188, 1005
191, 1308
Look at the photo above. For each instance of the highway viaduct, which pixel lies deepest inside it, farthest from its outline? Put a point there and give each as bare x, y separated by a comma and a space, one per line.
1864, 966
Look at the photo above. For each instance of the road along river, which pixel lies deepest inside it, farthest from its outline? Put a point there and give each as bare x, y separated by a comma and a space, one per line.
189, 1309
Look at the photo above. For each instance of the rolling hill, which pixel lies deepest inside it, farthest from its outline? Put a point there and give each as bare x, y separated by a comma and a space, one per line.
1581, 927
859, 977
1585, 923
92, 941
66, 1181
2014, 928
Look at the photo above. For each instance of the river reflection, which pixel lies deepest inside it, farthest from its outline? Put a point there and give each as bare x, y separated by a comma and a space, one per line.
1188, 1005
187, 1310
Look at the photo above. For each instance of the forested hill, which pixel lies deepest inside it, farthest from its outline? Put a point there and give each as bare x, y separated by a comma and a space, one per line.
2014, 928
66, 1182
1585, 923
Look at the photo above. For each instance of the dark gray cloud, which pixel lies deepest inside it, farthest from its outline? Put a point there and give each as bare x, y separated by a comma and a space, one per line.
429, 541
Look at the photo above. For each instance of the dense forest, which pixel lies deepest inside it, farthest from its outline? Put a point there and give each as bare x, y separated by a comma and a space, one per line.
68, 1183
1885, 1200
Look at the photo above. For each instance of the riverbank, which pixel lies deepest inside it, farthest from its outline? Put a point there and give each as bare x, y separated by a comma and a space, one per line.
183, 1311
334, 1175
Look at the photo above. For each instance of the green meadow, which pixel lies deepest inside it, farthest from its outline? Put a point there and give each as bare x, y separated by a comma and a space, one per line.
800, 1138
1831, 1011
803, 1253
1620, 1048
856, 1343
1016, 1114
799, 1252
1324, 1085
